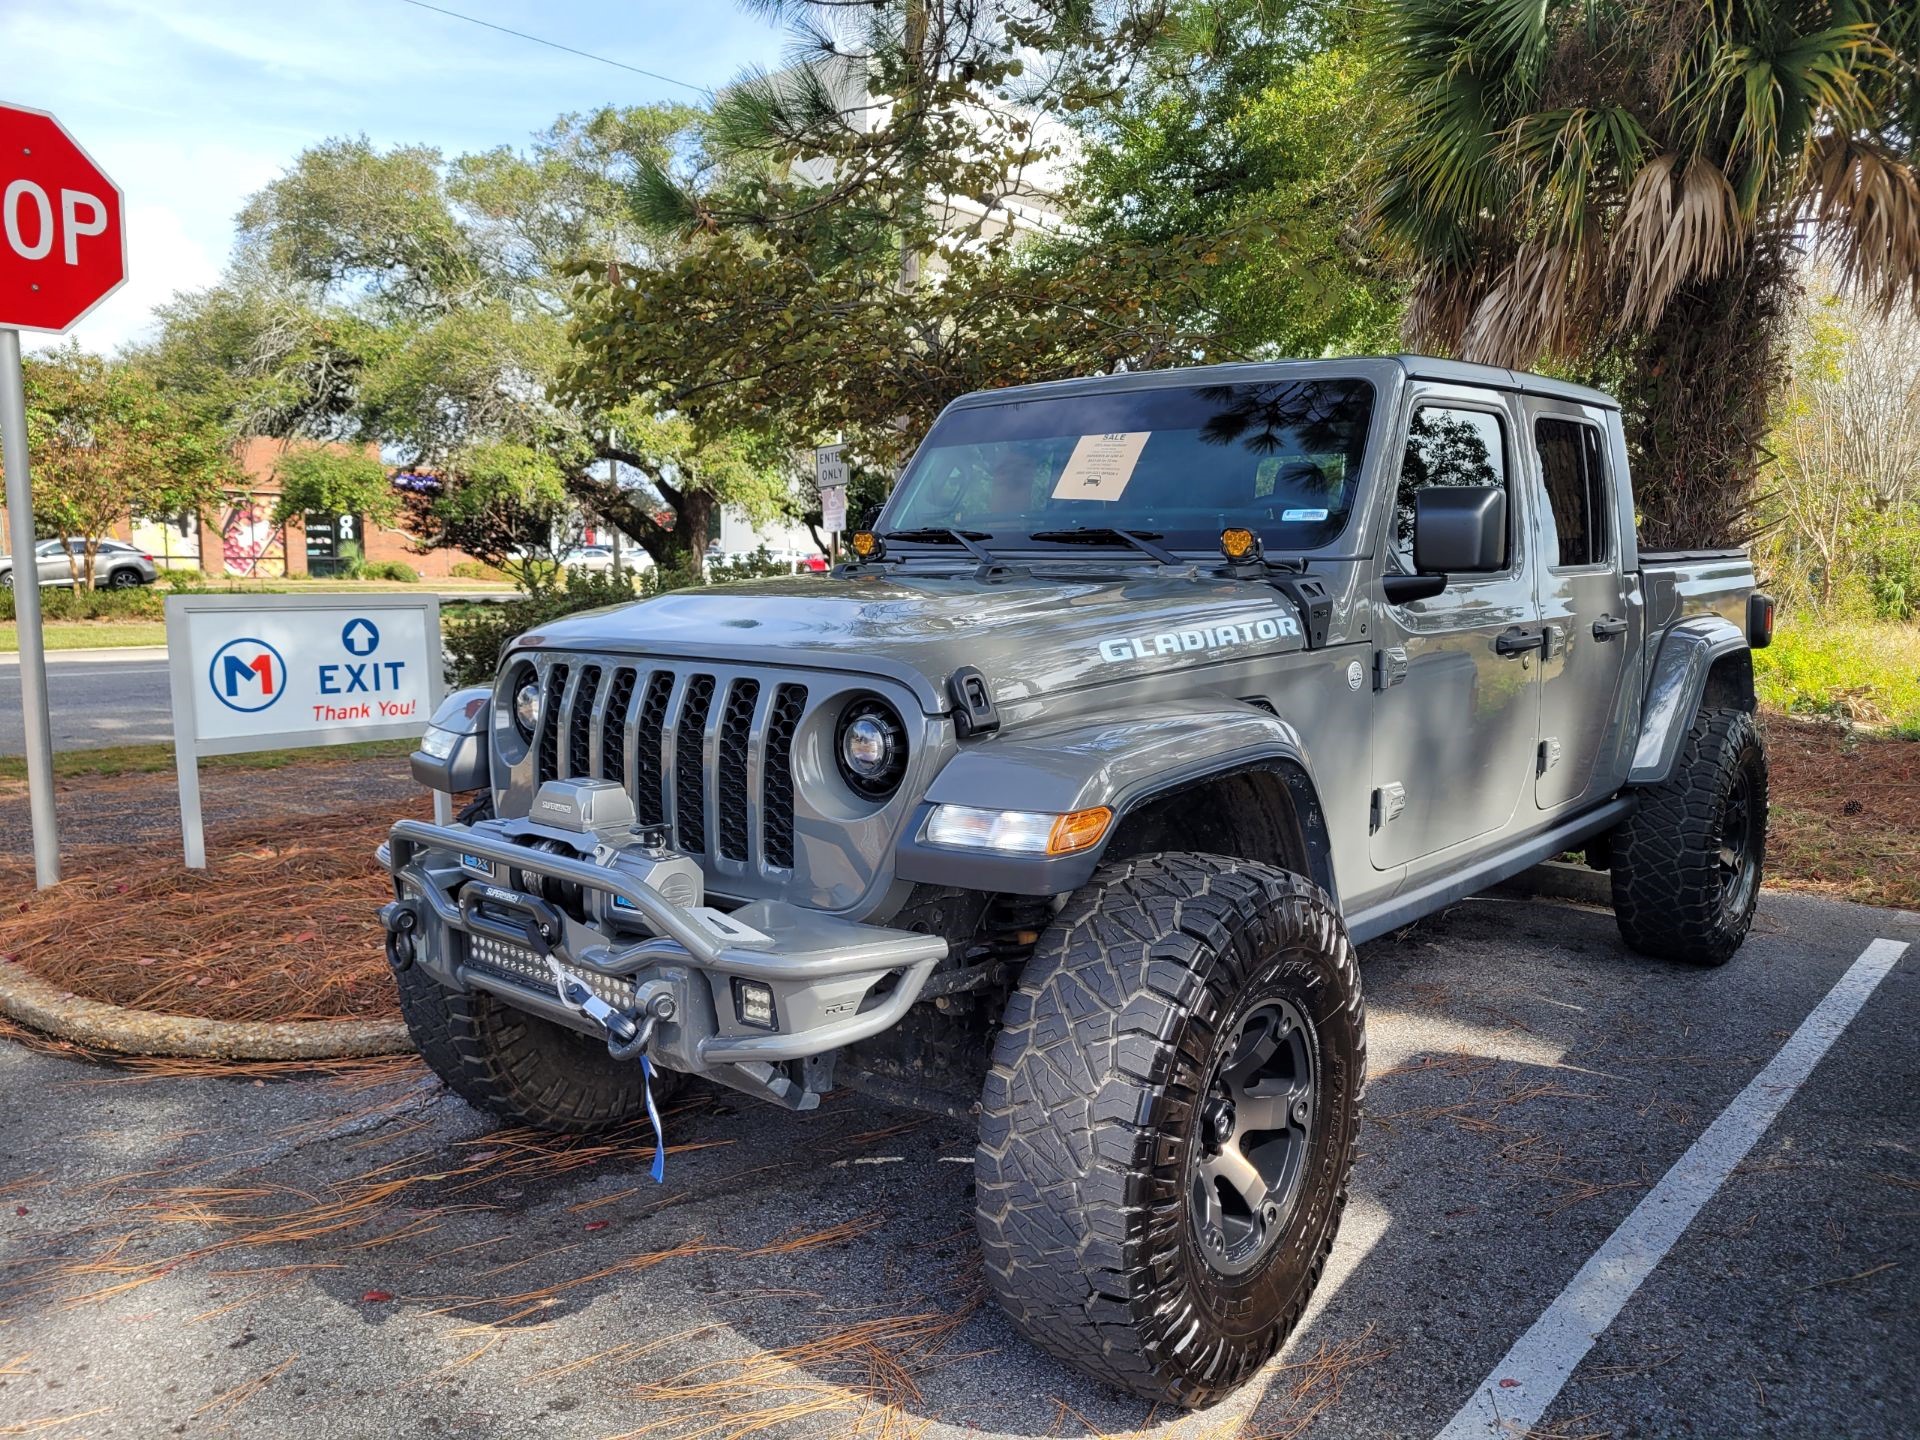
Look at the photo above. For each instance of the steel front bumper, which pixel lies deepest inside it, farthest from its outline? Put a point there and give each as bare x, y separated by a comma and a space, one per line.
833, 981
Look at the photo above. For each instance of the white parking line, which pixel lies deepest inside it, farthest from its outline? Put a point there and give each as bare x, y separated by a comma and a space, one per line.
1511, 1400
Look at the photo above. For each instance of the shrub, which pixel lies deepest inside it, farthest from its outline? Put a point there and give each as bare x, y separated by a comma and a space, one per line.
390, 570
64, 603
474, 570
1863, 672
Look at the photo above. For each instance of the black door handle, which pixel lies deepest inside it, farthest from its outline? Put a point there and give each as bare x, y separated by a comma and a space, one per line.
1518, 642
1606, 627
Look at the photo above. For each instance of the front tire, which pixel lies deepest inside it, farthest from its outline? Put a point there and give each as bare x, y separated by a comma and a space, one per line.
1169, 1123
521, 1067
1687, 866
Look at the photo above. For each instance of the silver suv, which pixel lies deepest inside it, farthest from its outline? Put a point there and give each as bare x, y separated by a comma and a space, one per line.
116, 564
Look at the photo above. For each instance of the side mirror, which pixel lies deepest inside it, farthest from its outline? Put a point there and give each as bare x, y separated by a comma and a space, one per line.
1459, 529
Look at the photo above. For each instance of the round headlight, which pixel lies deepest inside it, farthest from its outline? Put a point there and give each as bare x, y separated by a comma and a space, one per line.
871, 747
526, 708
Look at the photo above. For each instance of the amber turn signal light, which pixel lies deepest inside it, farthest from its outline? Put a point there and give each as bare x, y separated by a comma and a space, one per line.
1079, 830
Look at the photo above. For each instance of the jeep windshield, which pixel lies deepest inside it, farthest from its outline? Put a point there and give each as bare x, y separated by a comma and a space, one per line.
1175, 464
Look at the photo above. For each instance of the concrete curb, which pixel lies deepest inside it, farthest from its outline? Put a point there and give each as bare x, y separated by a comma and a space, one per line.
27, 998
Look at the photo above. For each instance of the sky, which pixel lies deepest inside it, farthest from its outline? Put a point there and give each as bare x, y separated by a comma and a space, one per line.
192, 105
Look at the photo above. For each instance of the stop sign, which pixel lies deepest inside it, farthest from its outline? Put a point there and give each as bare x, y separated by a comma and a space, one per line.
62, 247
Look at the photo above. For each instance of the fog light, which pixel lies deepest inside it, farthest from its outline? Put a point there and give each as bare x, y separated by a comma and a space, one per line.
753, 1002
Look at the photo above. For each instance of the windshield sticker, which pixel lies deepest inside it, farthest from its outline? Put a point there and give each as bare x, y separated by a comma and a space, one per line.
1291, 515
1210, 637
1101, 466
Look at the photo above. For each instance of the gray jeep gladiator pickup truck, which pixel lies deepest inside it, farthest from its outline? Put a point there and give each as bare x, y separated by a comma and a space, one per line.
1061, 809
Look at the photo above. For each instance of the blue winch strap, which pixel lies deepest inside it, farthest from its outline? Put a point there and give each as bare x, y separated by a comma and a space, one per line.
653, 1114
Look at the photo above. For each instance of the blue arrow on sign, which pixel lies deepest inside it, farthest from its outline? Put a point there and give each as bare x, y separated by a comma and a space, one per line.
361, 637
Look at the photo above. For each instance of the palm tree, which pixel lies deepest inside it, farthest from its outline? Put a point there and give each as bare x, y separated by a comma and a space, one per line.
1627, 187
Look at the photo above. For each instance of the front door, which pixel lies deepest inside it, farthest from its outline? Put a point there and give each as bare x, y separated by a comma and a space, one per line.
1584, 713
55, 568
1455, 708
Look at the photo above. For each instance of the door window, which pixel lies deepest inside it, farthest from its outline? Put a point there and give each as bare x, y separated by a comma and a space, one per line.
1574, 472
1447, 446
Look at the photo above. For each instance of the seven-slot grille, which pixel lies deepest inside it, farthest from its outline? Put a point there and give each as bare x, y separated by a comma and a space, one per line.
691, 747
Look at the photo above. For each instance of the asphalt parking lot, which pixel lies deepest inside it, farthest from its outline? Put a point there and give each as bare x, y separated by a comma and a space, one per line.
361, 1255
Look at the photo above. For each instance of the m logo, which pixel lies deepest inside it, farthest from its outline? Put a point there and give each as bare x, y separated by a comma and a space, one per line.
247, 675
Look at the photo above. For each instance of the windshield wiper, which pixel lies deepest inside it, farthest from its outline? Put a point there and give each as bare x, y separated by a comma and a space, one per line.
940, 535
1141, 540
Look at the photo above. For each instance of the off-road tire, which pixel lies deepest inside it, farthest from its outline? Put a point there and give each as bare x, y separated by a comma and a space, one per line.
1090, 1119
1671, 891
519, 1066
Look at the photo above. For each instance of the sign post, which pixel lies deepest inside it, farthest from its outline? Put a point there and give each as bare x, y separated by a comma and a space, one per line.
274, 672
830, 474
62, 251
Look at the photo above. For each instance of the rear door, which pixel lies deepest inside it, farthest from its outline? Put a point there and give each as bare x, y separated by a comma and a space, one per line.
1454, 715
1583, 603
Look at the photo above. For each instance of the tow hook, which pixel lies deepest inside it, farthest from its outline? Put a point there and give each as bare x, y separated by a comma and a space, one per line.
400, 921
628, 1036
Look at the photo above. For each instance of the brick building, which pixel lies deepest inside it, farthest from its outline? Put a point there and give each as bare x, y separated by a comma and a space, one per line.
238, 537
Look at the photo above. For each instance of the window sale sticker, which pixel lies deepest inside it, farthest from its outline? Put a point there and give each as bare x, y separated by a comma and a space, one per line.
1101, 466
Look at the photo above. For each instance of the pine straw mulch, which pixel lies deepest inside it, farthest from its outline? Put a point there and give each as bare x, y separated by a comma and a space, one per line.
281, 926
1845, 818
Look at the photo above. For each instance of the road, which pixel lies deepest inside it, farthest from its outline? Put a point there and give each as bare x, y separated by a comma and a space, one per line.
97, 697
362, 1255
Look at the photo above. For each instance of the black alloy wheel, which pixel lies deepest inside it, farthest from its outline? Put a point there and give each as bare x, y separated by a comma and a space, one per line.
1256, 1131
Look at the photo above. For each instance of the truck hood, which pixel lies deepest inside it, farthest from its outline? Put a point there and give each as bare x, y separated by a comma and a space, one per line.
1028, 635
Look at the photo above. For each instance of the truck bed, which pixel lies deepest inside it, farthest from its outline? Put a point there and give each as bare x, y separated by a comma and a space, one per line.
1677, 584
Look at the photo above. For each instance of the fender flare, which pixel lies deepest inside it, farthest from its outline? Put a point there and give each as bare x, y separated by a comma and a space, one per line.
1676, 685
1124, 762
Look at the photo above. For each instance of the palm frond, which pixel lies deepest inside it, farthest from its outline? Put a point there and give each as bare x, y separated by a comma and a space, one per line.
1681, 222
1865, 204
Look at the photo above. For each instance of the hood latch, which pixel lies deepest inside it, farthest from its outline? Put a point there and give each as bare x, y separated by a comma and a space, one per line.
973, 709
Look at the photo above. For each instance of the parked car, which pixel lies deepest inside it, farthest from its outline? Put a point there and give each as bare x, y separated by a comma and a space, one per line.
598, 559
1061, 811
116, 565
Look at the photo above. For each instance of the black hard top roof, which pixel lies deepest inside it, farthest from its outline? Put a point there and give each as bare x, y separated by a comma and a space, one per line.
1374, 367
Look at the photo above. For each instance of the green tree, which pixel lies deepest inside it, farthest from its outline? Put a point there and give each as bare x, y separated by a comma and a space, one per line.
1626, 188
845, 253
1842, 506
415, 300
1253, 125
333, 480
107, 446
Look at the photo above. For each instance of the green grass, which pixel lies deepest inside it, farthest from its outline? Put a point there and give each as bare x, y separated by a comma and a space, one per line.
89, 634
1853, 670
146, 759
